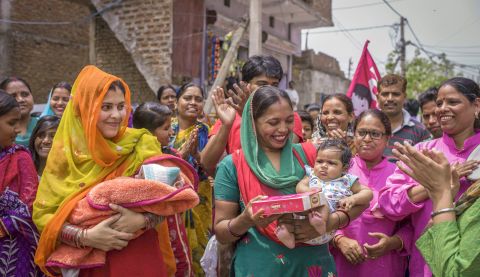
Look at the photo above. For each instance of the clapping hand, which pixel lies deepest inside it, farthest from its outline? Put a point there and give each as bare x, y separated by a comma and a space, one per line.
190, 147
429, 168
466, 168
340, 134
337, 134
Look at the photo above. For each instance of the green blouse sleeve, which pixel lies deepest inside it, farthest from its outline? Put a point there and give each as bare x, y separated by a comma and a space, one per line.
226, 185
453, 248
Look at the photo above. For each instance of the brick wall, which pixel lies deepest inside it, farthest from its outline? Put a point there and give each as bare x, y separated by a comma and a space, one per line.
319, 61
45, 54
132, 40
112, 57
317, 75
313, 85
144, 28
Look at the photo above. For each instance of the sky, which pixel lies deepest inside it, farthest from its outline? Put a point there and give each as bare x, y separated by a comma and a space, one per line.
449, 26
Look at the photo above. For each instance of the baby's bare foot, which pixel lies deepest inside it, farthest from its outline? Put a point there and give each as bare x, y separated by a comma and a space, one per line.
318, 222
287, 238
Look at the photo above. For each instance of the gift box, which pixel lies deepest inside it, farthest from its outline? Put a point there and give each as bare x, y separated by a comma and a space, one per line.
291, 203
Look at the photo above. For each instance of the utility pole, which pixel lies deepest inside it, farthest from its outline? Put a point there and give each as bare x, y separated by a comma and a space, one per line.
306, 41
402, 46
350, 63
255, 31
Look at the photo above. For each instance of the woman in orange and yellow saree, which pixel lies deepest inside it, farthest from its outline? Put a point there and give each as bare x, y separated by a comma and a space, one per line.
92, 145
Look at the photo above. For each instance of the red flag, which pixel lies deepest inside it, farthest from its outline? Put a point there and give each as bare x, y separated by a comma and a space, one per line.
363, 88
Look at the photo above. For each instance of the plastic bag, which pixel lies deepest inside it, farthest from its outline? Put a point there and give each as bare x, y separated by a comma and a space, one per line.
209, 260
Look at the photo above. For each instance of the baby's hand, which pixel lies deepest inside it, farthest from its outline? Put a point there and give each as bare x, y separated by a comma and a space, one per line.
140, 175
347, 203
179, 182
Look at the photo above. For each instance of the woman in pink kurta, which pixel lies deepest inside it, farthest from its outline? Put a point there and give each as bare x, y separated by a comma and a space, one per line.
372, 245
457, 110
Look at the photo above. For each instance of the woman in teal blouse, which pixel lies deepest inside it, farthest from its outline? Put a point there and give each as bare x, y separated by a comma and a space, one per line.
267, 164
20, 90
451, 246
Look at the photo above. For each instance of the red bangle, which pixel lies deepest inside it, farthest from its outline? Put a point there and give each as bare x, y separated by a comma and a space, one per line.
230, 230
335, 240
348, 219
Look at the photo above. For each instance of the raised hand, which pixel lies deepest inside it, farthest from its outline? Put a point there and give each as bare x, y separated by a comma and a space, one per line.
239, 97
225, 111
429, 168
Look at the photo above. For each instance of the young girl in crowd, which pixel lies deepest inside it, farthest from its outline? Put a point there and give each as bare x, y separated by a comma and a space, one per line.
307, 125
18, 186
157, 119
341, 189
41, 140
57, 99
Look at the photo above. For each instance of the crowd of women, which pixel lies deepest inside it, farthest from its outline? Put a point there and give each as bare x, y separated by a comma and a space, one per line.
421, 220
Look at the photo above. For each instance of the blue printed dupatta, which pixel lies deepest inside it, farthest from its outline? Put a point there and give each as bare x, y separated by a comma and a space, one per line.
18, 234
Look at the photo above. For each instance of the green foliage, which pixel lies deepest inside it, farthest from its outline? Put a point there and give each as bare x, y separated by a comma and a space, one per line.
422, 73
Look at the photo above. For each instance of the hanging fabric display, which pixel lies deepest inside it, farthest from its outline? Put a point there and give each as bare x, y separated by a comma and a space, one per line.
215, 57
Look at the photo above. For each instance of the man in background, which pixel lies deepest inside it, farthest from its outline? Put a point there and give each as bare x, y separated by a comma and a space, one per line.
293, 94
428, 105
392, 93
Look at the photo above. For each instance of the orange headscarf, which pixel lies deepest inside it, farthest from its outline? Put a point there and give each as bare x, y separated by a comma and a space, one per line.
81, 157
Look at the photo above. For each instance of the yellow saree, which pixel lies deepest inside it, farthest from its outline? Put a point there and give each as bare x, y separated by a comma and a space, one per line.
198, 221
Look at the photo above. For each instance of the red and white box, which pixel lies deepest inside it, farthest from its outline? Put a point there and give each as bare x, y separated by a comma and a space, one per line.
291, 203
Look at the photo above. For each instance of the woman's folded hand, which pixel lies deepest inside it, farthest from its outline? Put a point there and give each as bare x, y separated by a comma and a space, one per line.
102, 236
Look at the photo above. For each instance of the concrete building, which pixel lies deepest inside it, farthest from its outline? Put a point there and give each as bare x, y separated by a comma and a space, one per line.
147, 43
282, 23
317, 75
